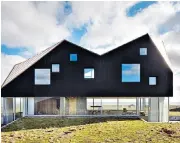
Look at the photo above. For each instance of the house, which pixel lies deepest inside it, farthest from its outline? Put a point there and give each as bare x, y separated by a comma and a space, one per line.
67, 79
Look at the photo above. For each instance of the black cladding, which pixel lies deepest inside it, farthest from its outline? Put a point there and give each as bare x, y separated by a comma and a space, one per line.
107, 69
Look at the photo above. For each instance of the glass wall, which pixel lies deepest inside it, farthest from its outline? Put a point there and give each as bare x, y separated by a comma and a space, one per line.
127, 105
8, 109
87, 106
111, 106
46, 105
2, 111
18, 107
174, 109
144, 107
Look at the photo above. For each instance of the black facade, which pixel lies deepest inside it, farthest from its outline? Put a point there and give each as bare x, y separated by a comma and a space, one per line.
107, 73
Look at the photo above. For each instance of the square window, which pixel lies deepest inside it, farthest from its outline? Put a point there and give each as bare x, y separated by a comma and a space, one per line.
55, 67
73, 57
130, 72
152, 80
143, 51
88, 73
42, 76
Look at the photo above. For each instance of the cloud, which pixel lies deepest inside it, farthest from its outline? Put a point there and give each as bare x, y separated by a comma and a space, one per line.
37, 25
7, 63
109, 27
31, 24
131, 69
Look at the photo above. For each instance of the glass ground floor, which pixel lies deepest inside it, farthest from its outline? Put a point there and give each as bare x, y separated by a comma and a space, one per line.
154, 109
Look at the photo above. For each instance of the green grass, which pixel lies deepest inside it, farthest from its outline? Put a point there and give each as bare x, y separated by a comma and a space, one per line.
94, 130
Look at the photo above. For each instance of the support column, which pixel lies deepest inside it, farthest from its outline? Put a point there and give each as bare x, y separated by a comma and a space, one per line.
137, 105
62, 106
143, 104
24, 107
14, 108
153, 109
30, 105
163, 109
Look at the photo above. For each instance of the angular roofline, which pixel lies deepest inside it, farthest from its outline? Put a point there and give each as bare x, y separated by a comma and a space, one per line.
5, 81
164, 55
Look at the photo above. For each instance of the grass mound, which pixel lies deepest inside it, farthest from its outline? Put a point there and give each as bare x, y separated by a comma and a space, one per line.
90, 130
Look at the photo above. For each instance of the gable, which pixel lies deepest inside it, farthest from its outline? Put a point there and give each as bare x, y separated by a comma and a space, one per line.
18, 69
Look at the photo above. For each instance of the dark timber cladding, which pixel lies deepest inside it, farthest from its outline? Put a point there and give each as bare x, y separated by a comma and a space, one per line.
107, 81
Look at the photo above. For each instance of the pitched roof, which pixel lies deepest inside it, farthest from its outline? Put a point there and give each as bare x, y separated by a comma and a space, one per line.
21, 67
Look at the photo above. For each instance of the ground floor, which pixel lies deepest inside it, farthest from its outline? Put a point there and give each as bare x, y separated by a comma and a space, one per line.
155, 109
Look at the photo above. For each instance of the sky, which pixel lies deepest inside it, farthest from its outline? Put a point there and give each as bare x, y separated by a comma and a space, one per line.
30, 27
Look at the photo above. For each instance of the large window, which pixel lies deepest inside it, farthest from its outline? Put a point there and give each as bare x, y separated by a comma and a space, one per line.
130, 72
42, 76
19, 107
47, 105
111, 105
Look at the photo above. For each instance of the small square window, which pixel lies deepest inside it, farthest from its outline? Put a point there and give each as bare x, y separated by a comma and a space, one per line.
73, 57
143, 51
152, 80
55, 67
88, 73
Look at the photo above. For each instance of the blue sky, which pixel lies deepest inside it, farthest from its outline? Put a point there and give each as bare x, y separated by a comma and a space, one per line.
76, 33
97, 26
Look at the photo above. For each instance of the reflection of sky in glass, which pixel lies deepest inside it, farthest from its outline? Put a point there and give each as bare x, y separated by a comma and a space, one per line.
89, 73
143, 51
42, 76
55, 67
73, 57
130, 72
152, 80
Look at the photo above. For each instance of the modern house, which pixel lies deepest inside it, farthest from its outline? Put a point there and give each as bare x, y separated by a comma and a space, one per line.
68, 80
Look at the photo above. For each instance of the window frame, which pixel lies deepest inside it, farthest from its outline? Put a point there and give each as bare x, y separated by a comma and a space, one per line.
155, 80
35, 80
143, 53
55, 70
71, 55
122, 81
92, 74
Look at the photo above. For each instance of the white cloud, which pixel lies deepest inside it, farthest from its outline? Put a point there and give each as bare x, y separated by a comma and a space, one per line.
110, 27
7, 63
31, 24
34, 25
134, 69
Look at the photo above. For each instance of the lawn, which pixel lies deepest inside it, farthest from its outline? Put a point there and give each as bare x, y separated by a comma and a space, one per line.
90, 130
173, 113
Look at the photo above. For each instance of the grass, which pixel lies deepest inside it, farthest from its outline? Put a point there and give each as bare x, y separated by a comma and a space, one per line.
89, 130
174, 113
